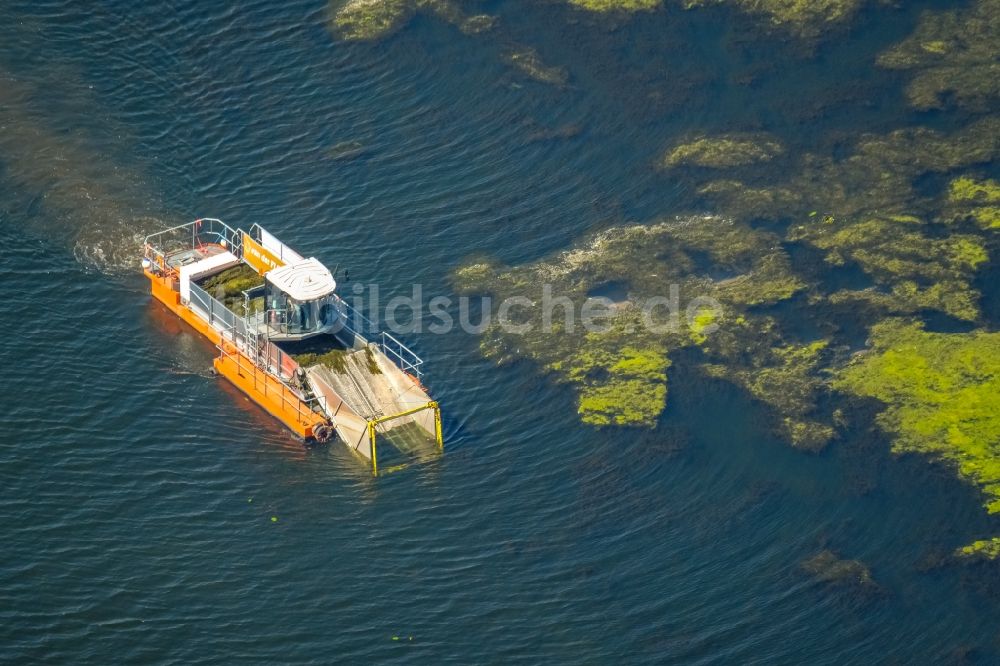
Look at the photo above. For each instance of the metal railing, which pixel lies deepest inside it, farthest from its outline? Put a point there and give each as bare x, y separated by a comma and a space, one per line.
286, 322
232, 328
289, 398
271, 243
373, 425
217, 313
277, 362
209, 230
205, 231
400, 354
396, 351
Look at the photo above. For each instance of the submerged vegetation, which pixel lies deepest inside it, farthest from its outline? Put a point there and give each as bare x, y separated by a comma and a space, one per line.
858, 210
803, 19
618, 368
828, 567
885, 228
916, 271
806, 19
954, 56
786, 378
727, 150
982, 548
875, 178
530, 63
346, 150
364, 20
616, 5
369, 19
863, 211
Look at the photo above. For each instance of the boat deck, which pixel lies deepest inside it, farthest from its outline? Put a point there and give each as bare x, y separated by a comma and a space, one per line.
312, 383
194, 254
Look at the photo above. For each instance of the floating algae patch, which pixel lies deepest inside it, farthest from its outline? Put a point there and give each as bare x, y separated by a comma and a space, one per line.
954, 56
366, 20
530, 63
803, 18
783, 376
969, 190
616, 5
918, 271
876, 177
724, 151
345, 150
941, 393
988, 549
748, 202
369, 19
975, 200
621, 380
828, 567
703, 322
618, 372
617, 363
857, 209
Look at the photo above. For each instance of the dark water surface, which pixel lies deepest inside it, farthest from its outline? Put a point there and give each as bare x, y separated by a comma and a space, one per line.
137, 492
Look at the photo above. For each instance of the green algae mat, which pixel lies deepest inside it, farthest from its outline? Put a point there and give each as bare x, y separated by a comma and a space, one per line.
890, 231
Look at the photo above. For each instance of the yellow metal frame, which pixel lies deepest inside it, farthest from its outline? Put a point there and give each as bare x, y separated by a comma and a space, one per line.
373, 423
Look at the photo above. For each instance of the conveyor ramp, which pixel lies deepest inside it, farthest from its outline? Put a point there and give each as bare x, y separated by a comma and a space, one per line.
370, 399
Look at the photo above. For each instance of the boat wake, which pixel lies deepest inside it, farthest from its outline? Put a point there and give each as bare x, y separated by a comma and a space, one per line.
67, 185
111, 246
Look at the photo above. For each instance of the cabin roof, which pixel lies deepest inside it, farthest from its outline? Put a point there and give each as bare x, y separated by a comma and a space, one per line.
303, 280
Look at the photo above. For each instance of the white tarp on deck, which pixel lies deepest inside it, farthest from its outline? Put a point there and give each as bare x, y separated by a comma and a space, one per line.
198, 269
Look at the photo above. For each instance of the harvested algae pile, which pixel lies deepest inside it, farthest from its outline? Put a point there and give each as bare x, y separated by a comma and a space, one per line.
229, 285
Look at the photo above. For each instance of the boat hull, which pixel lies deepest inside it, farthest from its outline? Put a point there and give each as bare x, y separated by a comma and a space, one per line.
270, 394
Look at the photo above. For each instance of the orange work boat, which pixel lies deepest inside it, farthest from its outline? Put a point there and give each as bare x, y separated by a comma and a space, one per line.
290, 342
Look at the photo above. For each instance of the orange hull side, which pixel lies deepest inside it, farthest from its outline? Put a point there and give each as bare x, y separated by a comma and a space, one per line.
276, 399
